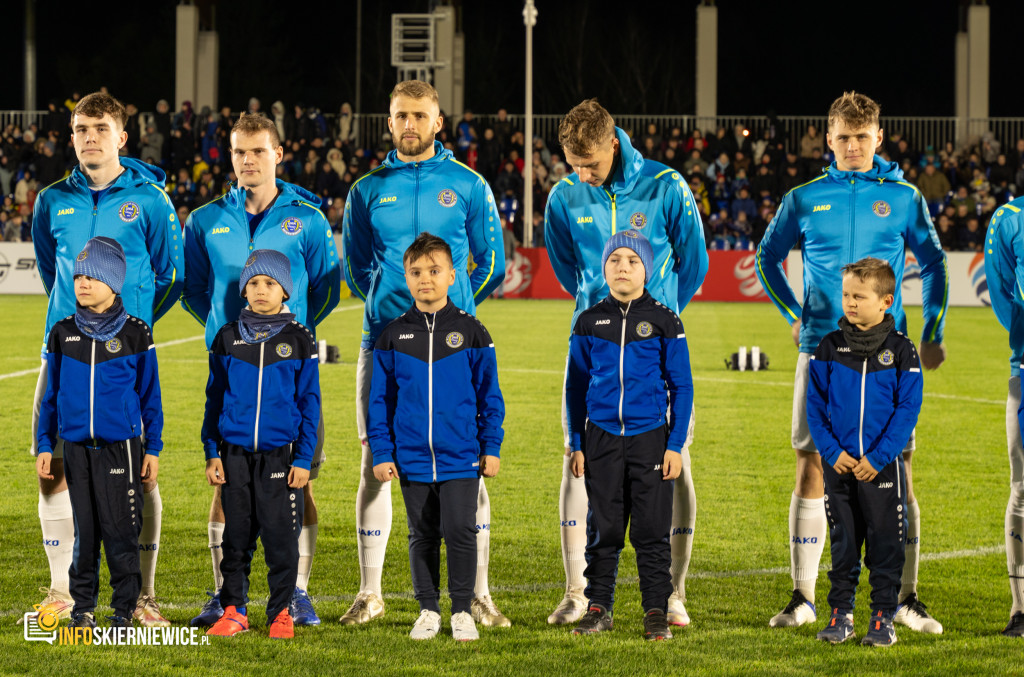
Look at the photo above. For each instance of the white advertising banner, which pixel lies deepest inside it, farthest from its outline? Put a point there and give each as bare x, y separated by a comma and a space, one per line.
18, 273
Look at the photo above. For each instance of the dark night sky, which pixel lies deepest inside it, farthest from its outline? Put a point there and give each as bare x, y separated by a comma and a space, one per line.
789, 57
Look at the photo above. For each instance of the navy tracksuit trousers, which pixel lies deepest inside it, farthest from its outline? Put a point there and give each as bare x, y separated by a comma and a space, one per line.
106, 501
258, 503
873, 515
624, 483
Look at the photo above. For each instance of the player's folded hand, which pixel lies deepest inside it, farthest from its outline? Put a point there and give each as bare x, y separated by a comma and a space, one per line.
576, 464
215, 472
385, 472
845, 463
864, 471
298, 477
671, 465
43, 465
150, 467
489, 465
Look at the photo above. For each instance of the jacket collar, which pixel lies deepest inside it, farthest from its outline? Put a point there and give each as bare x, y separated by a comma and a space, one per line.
449, 309
643, 300
630, 164
288, 193
881, 170
135, 173
441, 154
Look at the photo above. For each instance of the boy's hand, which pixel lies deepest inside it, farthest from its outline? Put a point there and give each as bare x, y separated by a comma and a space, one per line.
298, 477
795, 328
43, 465
215, 472
845, 463
150, 466
385, 472
671, 465
576, 464
489, 466
864, 471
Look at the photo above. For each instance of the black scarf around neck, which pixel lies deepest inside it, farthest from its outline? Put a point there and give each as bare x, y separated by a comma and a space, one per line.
256, 328
101, 326
866, 343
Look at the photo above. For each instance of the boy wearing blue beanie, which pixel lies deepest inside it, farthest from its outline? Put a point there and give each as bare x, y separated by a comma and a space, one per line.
107, 353
259, 432
628, 397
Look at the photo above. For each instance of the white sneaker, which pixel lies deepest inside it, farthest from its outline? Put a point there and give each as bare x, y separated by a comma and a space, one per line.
367, 606
427, 625
799, 611
463, 627
59, 604
570, 609
911, 613
485, 612
677, 612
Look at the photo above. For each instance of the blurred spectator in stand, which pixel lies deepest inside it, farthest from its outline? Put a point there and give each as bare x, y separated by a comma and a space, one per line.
345, 127
25, 188
489, 156
1001, 174
743, 204
903, 153
669, 158
741, 160
162, 121
700, 192
307, 179
963, 197
721, 193
133, 128
990, 147
764, 183
14, 230
759, 147
720, 167
254, 105
465, 133
934, 187
279, 114
947, 235
814, 165
473, 156
790, 178
502, 129
540, 149
185, 116
6, 176
696, 160
765, 214
328, 183
972, 237
809, 141
49, 165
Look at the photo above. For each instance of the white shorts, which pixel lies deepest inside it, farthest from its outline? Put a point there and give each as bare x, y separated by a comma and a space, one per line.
1013, 436
801, 433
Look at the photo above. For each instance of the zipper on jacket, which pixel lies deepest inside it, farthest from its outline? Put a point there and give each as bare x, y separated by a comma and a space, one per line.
863, 378
92, 389
430, 394
416, 208
853, 218
612, 196
259, 401
622, 354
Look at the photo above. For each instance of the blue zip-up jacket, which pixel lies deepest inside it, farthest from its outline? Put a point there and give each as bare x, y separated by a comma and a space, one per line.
390, 206
1004, 271
623, 359
839, 218
646, 195
262, 396
137, 213
867, 407
101, 390
219, 243
435, 405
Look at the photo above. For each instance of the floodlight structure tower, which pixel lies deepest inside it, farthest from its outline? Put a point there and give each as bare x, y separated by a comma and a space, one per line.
530, 20
428, 47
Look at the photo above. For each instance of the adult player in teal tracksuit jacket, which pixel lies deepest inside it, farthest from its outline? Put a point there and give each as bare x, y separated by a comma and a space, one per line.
1004, 270
578, 220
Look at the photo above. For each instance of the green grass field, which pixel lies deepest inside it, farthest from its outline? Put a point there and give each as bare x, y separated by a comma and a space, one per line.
743, 471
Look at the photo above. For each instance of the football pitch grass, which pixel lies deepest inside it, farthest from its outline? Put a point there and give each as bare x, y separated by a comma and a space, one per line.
739, 575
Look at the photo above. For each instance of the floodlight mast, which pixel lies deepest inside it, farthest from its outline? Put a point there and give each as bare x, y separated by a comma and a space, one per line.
530, 20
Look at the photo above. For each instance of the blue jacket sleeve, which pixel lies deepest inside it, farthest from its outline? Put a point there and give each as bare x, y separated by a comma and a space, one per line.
819, 421
46, 433
147, 385
196, 295
679, 381
782, 235
357, 243
216, 385
577, 382
487, 246
909, 394
920, 236
44, 244
490, 405
687, 234
166, 253
324, 271
558, 241
307, 391
381, 409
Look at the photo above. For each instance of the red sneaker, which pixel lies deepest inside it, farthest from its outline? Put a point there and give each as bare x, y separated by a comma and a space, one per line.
282, 627
230, 624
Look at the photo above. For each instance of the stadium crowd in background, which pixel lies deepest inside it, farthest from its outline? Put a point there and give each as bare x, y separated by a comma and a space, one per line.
738, 176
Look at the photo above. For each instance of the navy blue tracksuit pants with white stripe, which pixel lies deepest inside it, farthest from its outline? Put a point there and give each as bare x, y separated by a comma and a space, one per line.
258, 503
873, 515
106, 501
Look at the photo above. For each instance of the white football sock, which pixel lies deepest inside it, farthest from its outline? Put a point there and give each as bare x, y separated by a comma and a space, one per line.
373, 524
149, 539
58, 525
807, 527
908, 582
307, 548
1015, 546
216, 531
483, 541
684, 517
573, 513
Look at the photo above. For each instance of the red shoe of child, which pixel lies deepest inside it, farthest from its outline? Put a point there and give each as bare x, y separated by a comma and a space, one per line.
282, 627
230, 624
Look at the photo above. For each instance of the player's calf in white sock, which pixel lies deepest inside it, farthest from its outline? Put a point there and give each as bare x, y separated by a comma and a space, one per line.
307, 548
684, 518
908, 581
483, 541
373, 524
573, 516
1015, 546
58, 526
149, 538
807, 529
216, 532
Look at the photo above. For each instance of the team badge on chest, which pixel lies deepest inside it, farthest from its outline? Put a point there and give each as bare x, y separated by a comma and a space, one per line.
881, 208
113, 345
129, 211
291, 226
454, 339
886, 357
638, 220
447, 197
644, 329
283, 350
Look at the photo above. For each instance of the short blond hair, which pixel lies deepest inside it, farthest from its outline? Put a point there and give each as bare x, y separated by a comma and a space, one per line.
855, 109
415, 89
585, 127
251, 124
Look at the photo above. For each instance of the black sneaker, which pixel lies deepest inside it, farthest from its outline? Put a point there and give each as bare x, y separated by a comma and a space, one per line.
880, 630
656, 625
1015, 628
597, 619
120, 621
839, 628
83, 619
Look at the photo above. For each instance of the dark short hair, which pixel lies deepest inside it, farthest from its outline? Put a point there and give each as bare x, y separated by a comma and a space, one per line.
427, 245
855, 109
98, 104
584, 127
254, 123
876, 271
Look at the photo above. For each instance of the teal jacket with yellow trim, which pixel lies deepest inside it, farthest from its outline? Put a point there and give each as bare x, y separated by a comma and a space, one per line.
643, 194
1004, 273
385, 211
218, 243
137, 213
839, 218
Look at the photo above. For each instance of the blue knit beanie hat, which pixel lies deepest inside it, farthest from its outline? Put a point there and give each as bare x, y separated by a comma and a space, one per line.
631, 239
102, 259
270, 263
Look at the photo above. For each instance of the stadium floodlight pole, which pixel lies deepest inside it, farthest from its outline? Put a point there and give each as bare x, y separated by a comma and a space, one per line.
530, 19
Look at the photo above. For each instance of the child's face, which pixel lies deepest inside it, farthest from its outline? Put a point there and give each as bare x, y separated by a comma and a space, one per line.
93, 294
625, 274
862, 305
428, 279
264, 294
